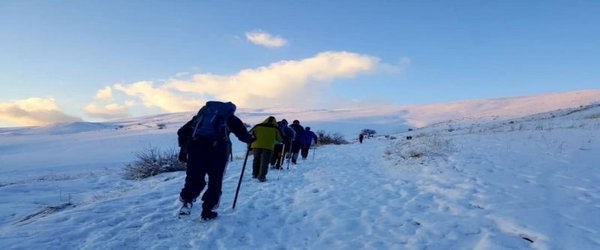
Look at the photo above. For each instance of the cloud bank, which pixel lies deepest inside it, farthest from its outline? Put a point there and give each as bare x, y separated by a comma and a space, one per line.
285, 84
108, 111
265, 39
34, 112
281, 84
161, 97
105, 107
297, 84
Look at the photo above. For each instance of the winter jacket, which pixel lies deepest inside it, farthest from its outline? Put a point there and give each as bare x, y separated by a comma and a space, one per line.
309, 137
267, 134
299, 138
287, 132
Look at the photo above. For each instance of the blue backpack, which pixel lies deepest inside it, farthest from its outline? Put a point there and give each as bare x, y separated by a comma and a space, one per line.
211, 121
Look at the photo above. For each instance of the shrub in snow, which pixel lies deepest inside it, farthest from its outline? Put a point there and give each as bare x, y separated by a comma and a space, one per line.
327, 138
152, 161
415, 154
47, 211
368, 132
425, 147
594, 116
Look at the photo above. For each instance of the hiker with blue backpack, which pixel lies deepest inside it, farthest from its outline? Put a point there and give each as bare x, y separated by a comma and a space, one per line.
205, 146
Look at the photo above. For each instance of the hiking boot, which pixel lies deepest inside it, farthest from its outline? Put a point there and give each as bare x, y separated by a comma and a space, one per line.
208, 215
262, 179
186, 208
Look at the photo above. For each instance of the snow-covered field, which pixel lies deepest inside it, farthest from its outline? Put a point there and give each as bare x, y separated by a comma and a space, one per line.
518, 183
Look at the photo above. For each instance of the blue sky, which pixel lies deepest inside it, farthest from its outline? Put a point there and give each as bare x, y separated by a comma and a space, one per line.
98, 60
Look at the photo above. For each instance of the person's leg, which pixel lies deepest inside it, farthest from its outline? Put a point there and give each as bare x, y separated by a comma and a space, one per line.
295, 151
255, 162
215, 172
194, 178
304, 151
265, 155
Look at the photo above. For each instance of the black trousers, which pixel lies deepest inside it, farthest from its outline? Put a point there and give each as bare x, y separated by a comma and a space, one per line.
304, 151
277, 156
205, 158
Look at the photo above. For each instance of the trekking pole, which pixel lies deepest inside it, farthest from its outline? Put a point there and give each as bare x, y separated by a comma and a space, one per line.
282, 157
237, 191
289, 155
280, 161
314, 152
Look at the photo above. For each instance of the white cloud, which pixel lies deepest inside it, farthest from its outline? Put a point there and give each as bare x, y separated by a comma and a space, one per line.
104, 94
34, 112
159, 97
108, 111
285, 83
265, 39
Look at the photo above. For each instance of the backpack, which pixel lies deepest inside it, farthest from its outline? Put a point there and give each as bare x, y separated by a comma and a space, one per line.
298, 132
211, 121
282, 129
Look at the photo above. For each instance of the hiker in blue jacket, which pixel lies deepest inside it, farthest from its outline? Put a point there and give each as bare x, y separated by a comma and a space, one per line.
309, 137
298, 140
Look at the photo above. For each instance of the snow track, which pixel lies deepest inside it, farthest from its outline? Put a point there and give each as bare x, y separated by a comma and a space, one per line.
513, 190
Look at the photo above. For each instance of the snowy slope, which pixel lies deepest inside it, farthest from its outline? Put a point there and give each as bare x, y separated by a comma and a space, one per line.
506, 183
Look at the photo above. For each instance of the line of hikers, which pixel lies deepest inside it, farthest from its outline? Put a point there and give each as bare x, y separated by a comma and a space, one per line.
276, 141
205, 146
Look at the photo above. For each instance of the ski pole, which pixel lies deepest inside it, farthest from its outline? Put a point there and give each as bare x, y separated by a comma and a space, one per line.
237, 191
282, 157
280, 161
290, 155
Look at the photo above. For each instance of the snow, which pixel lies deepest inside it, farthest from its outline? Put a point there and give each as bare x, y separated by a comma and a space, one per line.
514, 182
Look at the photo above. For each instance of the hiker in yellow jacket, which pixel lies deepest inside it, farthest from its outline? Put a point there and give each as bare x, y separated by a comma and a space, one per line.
267, 134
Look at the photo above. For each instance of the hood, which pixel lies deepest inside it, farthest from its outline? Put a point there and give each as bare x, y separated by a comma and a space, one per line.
270, 120
282, 123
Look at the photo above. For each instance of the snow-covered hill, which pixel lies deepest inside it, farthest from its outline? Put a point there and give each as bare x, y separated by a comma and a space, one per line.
517, 173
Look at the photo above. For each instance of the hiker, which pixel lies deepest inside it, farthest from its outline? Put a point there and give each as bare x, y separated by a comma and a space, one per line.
309, 137
206, 152
361, 137
281, 148
298, 140
267, 134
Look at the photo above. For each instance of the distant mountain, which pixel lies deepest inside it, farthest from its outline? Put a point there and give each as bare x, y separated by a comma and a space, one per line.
385, 120
501, 108
396, 119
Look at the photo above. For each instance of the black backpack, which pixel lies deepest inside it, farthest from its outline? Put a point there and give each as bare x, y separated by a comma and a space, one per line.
211, 121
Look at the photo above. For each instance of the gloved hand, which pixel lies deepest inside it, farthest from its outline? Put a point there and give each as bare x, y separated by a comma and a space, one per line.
182, 155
